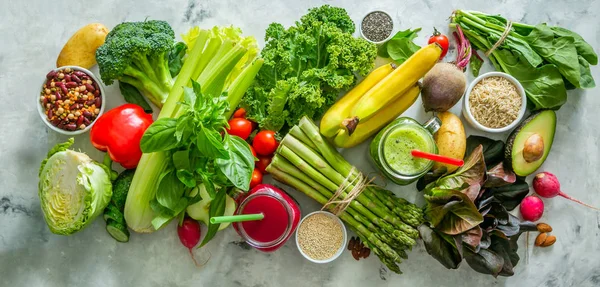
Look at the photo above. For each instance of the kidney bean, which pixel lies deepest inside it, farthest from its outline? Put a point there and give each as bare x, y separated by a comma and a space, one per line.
55, 122
44, 101
71, 127
80, 120
51, 74
67, 77
97, 92
87, 114
95, 85
75, 78
89, 88
58, 96
97, 102
79, 74
71, 84
86, 121
85, 77
74, 107
50, 113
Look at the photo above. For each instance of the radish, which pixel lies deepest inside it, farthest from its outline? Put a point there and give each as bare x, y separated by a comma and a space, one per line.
546, 185
532, 208
189, 235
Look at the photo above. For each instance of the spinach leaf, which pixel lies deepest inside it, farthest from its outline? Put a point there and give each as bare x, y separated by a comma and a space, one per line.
485, 261
586, 81
170, 189
451, 211
439, 246
217, 208
398, 48
510, 196
176, 58
544, 86
493, 150
584, 49
475, 63
240, 164
160, 136
133, 96
558, 51
208, 142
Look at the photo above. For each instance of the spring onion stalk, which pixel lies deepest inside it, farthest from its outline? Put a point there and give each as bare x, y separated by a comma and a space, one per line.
308, 163
215, 55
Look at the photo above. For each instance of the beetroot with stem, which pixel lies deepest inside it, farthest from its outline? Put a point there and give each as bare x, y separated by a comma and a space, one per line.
547, 185
532, 208
189, 235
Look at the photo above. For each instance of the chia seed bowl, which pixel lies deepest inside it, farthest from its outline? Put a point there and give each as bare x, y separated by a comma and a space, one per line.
377, 27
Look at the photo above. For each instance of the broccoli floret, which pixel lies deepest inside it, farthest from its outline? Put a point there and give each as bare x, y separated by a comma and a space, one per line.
137, 53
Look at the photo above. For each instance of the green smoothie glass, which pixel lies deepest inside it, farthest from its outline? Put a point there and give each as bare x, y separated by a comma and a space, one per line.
390, 150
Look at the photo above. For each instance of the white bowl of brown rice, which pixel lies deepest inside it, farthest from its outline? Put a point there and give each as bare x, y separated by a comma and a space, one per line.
321, 237
495, 102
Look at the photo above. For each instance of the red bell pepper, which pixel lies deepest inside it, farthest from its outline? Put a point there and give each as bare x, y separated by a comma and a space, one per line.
119, 132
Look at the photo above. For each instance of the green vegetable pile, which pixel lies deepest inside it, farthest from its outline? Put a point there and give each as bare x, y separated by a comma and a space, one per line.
547, 60
467, 212
306, 66
184, 147
385, 223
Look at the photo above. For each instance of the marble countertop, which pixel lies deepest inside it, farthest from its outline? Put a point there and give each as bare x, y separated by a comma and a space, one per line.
33, 33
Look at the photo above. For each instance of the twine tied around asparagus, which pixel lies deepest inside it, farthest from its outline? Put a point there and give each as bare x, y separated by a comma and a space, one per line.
501, 40
354, 178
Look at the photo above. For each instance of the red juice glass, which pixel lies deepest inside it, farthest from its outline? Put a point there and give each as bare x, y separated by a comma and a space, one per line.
281, 212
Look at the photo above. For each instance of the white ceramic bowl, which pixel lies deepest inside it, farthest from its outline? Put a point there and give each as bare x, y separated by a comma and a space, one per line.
344, 240
386, 39
467, 108
42, 110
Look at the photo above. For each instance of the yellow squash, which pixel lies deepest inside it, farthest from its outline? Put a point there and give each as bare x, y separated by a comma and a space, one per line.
395, 84
368, 128
330, 123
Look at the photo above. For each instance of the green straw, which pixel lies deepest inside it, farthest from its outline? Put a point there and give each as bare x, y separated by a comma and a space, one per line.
236, 218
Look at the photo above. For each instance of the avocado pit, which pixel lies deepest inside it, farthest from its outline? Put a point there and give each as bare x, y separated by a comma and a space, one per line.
534, 148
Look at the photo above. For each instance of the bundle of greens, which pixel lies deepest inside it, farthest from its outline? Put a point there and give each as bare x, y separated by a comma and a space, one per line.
184, 148
143, 55
467, 213
547, 60
385, 223
306, 66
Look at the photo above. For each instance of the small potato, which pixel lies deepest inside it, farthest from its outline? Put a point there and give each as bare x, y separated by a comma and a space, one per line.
80, 50
451, 139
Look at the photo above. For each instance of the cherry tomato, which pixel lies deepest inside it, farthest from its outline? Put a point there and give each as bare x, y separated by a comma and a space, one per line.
240, 127
262, 163
240, 113
256, 178
252, 150
441, 39
265, 143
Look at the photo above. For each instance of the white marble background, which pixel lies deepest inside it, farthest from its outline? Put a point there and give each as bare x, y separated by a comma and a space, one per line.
33, 32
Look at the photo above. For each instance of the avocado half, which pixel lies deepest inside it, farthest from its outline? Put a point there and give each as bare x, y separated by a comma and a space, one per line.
529, 144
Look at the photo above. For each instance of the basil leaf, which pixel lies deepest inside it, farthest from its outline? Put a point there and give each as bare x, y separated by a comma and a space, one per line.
184, 128
209, 143
181, 159
133, 96
217, 208
186, 178
160, 136
176, 56
170, 190
238, 168
189, 96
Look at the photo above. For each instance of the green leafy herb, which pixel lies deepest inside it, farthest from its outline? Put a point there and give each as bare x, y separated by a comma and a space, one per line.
133, 96
401, 46
176, 58
475, 63
160, 136
217, 208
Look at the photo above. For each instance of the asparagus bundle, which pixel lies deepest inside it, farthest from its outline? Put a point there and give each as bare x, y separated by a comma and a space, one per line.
384, 222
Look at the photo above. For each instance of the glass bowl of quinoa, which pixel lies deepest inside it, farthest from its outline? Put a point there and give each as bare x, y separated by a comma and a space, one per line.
70, 100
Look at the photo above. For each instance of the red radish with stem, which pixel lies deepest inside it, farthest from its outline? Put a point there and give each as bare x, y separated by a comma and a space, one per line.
547, 185
189, 235
532, 208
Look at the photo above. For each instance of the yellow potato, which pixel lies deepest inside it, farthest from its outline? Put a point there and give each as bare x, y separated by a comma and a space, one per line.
451, 139
80, 50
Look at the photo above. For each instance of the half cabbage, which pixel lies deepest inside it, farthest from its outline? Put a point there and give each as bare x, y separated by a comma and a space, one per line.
73, 189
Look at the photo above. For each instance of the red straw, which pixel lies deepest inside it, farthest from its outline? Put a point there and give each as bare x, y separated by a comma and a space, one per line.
437, 157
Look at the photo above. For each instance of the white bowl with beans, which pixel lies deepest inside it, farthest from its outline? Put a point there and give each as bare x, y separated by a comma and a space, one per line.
69, 99
344, 237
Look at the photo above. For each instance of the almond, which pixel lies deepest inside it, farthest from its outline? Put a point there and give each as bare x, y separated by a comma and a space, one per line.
543, 227
540, 239
549, 241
